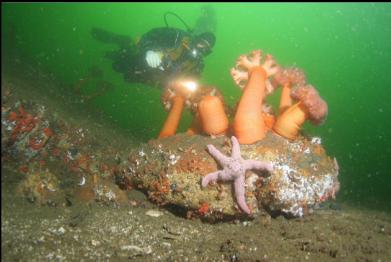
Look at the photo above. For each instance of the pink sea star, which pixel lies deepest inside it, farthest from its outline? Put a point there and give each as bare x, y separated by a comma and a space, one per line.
234, 168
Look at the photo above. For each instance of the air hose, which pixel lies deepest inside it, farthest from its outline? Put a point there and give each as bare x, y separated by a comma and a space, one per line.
180, 19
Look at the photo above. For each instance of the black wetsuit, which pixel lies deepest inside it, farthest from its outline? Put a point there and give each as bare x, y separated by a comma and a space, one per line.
177, 61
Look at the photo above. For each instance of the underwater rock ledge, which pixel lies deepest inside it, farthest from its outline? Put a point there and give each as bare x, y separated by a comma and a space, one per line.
171, 169
38, 143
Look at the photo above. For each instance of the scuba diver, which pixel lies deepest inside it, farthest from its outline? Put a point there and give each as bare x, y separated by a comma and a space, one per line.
162, 54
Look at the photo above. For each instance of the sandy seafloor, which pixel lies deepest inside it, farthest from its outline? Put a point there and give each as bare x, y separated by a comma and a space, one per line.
95, 232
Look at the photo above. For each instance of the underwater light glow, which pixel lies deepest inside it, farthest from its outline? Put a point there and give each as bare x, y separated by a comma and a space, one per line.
190, 85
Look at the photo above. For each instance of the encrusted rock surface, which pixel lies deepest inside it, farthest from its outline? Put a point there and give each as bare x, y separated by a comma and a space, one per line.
171, 169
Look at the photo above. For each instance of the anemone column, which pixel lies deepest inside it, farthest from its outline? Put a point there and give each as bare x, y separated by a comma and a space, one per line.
172, 122
249, 125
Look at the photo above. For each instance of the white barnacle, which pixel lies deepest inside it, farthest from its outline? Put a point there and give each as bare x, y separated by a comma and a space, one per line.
110, 195
130, 169
49, 186
316, 140
117, 157
38, 141
69, 155
98, 191
41, 109
296, 147
46, 123
287, 169
9, 127
295, 210
141, 153
160, 148
173, 159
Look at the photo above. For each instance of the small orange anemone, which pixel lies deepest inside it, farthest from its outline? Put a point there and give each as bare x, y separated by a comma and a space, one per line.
176, 95
174, 103
309, 106
268, 116
207, 104
288, 77
195, 126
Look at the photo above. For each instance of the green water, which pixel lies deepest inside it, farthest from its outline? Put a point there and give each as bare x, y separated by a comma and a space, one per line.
345, 50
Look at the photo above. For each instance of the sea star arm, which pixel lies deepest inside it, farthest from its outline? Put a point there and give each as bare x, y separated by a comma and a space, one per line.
211, 177
239, 193
235, 148
221, 158
258, 165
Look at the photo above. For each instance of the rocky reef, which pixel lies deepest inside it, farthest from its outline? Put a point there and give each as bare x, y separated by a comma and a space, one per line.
60, 162
171, 170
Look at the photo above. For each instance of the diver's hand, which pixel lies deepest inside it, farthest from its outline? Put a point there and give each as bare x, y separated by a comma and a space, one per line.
154, 59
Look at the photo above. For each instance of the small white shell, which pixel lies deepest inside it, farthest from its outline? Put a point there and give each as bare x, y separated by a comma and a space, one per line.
82, 182
154, 213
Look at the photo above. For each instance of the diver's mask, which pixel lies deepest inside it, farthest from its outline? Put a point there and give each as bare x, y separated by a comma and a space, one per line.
199, 49
201, 45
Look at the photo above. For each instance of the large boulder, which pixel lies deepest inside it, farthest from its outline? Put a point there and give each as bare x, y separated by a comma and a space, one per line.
171, 169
